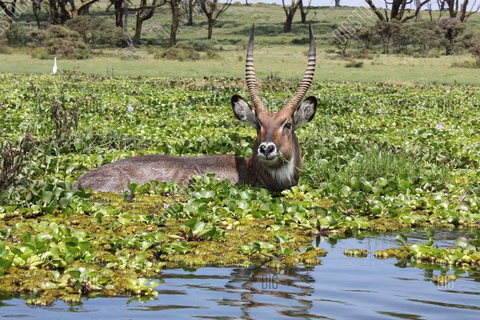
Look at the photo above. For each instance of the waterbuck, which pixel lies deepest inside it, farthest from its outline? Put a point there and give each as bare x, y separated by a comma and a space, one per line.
276, 159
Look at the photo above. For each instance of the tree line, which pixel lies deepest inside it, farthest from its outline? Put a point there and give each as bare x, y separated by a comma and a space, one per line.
442, 28
61, 11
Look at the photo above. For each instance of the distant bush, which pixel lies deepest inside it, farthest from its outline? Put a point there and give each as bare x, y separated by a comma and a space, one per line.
263, 30
202, 45
41, 54
96, 31
5, 49
18, 35
354, 64
181, 52
452, 29
59, 41
130, 55
303, 40
212, 54
465, 64
476, 53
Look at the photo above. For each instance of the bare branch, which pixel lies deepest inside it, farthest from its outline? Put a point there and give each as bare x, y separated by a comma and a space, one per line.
375, 10
153, 6
83, 6
416, 11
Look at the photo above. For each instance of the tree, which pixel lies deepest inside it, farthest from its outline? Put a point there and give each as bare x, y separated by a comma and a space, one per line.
37, 6
453, 28
212, 10
387, 32
290, 13
419, 15
8, 11
397, 10
175, 7
128, 40
463, 14
190, 5
144, 13
118, 6
337, 3
303, 11
59, 11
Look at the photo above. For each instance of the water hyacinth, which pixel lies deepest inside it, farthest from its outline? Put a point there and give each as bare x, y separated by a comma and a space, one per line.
357, 176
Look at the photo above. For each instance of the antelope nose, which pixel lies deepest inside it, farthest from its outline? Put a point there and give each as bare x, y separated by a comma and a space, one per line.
267, 149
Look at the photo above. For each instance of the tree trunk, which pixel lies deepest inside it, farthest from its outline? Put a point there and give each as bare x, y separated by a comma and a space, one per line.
138, 28
141, 18
450, 38
36, 10
290, 13
191, 4
65, 14
174, 4
54, 15
85, 11
303, 12
128, 40
419, 15
288, 23
337, 3
210, 29
118, 4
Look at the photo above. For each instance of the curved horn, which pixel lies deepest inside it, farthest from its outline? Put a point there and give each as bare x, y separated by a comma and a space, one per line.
250, 76
292, 105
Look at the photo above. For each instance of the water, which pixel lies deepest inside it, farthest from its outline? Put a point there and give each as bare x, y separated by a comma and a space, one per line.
340, 288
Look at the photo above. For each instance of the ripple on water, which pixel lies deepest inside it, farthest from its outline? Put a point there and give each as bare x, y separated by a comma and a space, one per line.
340, 288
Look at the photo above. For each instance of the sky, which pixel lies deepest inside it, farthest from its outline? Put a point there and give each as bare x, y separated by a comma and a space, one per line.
351, 3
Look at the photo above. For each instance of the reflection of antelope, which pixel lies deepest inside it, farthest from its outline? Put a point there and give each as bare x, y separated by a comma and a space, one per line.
276, 160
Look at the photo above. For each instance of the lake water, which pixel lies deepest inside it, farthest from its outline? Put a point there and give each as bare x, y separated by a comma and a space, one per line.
339, 288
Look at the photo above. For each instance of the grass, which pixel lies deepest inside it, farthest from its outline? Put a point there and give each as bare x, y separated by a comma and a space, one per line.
274, 50
287, 62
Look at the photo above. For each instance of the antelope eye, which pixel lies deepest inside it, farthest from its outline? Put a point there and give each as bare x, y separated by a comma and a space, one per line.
288, 125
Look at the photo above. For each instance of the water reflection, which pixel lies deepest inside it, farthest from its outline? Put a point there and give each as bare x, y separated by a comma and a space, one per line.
340, 288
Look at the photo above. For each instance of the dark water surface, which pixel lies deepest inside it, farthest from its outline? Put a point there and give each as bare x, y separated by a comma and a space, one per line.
340, 288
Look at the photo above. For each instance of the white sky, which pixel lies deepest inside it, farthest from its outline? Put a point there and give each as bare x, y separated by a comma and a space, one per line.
351, 3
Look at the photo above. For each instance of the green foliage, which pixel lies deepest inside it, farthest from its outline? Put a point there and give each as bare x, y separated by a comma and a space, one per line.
262, 30
5, 49
12, 157
181, 52
202, 45
96, 32
377, 156
61, 42
475, 49
18, 35
466, 254
354, 64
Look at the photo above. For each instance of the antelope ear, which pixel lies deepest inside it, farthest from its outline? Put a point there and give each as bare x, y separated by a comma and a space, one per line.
242, 110
305, 112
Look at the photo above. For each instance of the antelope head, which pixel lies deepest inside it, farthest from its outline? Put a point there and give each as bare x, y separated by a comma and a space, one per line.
276, 159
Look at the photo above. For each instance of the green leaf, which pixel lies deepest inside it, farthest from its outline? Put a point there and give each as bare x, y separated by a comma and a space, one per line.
47, 197
401, 238
345, 191
462, 242
430, 232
